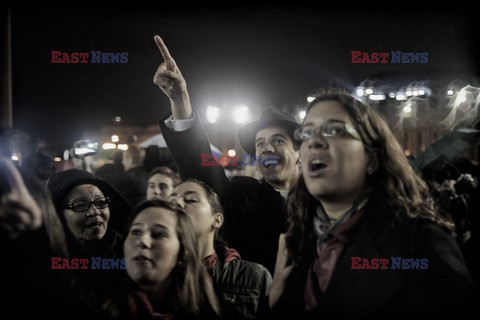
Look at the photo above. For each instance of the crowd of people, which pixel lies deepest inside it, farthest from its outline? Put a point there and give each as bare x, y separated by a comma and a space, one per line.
142, 239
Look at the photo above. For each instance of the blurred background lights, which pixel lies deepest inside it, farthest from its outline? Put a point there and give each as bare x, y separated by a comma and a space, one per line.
231, 153
212, 114
241, 114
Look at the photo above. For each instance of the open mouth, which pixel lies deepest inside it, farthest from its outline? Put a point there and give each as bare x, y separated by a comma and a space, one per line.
141, 259
270, 162
317, 167
94, 225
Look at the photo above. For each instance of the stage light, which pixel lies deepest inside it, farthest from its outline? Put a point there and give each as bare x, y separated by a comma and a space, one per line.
115, 138
241, 114
212, 114
310, 99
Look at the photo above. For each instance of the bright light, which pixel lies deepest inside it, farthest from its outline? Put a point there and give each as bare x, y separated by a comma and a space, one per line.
369, 91
115, 138
117, 119
461, 97
359, 92
391, 95
212, 114
376, 97
240, 114
310, 98
302, 114
415, 93
122, 147
81, 151
400, 97
15, 157
450, 92
421, 92
407, 108
57, 159
108, 146
231, 153
408, 93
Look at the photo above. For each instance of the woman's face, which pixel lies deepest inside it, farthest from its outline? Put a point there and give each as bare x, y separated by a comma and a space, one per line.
192, 198
92, 224
152, 247
159, 187
334, 168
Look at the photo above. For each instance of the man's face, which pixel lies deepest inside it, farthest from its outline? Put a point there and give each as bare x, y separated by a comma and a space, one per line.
279, 160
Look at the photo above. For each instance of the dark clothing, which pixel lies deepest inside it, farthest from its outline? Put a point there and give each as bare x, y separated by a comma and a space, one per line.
132, 184
31, 288
255, 213
241, 286
92, 287
444, 288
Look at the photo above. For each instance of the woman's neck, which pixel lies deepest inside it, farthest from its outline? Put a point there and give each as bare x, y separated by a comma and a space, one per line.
206, 247
335, 207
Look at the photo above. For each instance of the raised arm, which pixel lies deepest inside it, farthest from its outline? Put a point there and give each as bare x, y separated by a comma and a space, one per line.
188, 147
170, 80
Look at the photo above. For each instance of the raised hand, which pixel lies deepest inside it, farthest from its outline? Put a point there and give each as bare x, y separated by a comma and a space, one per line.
281, 273
170, 80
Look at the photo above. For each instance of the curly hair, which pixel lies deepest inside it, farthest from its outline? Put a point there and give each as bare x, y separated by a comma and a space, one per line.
395, 181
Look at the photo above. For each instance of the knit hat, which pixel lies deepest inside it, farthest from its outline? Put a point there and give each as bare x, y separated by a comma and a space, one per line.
61, 183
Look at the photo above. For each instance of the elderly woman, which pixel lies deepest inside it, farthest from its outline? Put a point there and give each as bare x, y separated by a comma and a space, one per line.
166, 280
91, 211
363, 237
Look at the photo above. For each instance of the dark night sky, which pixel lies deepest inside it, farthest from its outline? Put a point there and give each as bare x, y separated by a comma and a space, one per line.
256, 56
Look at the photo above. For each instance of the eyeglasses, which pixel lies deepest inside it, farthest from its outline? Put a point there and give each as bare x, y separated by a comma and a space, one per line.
328, 130
84, 205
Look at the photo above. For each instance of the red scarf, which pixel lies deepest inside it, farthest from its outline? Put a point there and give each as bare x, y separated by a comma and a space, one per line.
228, 254
141, 308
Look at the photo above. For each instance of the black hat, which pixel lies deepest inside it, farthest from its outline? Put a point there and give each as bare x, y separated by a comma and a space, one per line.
61, 183
271, 117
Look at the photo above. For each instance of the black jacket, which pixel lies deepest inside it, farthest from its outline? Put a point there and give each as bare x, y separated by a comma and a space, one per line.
444, 288
242, 288
255, 213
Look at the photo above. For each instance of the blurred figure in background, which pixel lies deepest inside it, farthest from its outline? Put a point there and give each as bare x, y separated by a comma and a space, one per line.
39, 165
161, 182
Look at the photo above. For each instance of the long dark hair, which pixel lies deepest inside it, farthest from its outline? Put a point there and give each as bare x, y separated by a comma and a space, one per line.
395, 182
192, 287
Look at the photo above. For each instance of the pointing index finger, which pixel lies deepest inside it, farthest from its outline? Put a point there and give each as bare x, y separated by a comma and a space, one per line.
164, 50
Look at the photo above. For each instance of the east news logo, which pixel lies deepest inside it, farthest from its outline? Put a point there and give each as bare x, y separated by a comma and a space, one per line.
359, 263
92, 57
392, 57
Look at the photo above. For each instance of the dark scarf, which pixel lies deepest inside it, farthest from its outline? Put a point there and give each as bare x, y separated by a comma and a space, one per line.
332, 235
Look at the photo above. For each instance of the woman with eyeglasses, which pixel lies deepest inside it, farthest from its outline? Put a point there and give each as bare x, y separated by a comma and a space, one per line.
363, 238
91, 210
